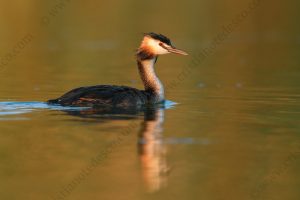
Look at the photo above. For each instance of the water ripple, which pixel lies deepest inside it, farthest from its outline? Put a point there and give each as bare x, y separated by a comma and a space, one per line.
14, 108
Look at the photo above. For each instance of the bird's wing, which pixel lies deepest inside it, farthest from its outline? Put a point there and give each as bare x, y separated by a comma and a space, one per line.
102, 95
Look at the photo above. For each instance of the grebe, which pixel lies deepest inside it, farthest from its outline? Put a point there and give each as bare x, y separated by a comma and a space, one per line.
151, 47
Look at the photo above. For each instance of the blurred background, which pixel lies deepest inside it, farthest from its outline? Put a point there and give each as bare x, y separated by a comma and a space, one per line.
233, 135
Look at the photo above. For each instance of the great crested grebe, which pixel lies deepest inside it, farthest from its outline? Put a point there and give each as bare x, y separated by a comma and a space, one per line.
151, 47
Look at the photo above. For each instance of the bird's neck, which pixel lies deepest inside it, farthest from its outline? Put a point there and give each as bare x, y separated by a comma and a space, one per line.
151, 82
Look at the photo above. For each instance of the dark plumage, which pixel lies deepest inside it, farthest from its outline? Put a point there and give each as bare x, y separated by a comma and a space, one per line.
144, 54
159, 37
104, 95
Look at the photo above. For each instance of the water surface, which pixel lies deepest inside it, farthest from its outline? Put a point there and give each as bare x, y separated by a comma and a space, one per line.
233, 134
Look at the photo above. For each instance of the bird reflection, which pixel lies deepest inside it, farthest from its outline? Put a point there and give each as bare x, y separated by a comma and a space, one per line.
151, 148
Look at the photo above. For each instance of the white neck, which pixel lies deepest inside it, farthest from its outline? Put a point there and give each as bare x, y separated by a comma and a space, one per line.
150, 79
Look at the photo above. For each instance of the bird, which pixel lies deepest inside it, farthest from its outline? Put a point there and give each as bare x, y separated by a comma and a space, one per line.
152, 46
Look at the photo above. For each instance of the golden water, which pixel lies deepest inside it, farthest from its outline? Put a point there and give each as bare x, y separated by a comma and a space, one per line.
234, 133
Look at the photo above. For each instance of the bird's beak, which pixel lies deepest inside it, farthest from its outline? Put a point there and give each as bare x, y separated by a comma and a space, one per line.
177, 51
173, 49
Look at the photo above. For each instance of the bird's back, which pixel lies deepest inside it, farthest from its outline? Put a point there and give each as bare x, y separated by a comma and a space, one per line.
103, 95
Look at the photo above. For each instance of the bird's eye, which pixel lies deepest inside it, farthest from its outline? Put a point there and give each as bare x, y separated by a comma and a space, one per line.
161, 44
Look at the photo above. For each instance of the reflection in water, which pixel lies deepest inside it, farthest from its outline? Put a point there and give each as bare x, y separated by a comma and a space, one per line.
152, 150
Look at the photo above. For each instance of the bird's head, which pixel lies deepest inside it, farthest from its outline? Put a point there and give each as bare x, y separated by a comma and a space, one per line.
154, 45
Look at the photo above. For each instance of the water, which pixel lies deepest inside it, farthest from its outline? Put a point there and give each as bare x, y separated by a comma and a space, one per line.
233, 132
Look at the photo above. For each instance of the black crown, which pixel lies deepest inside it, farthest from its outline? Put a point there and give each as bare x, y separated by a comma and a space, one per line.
159, 37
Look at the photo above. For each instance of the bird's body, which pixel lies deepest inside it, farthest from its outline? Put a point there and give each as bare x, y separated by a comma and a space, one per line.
104, 95
123, 96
